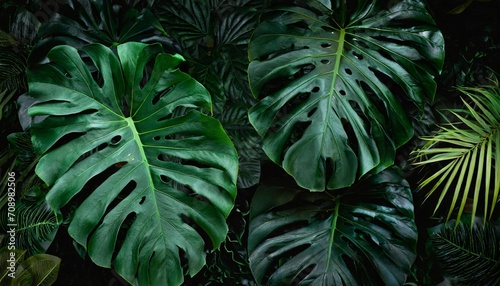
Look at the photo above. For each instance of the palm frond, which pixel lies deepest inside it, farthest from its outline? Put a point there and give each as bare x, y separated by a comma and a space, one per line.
22, 146
12, 69
37, 226
468, 257
5, 98
468, 151
6, 40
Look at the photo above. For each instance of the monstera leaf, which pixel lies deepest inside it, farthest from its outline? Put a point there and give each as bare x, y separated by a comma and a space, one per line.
104, 22
333, 79
157, 186
364, 236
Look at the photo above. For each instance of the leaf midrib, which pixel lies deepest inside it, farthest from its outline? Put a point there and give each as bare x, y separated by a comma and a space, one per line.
460, 248
140, 146
332, 235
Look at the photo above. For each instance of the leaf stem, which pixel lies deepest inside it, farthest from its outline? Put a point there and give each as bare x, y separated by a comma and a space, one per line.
332, 233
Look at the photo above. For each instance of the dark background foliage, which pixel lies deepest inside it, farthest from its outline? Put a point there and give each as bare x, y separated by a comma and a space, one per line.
216, 53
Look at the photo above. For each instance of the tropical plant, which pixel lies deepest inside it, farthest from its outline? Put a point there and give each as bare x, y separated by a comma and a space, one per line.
39, 269
467, 151
364, 235
213, 37
157, 185
16, 39
36, 222
12, 65
36, 226
468, 255
333, 79
106, 22
136, 159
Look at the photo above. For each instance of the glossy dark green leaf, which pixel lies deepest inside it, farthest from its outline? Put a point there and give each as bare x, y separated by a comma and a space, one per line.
87, 22
333, 79
163, 180
364, 236
39, 269
5, 255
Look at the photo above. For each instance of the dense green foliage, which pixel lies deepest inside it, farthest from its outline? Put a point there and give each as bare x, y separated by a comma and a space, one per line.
468, 255
326, 239
251, 142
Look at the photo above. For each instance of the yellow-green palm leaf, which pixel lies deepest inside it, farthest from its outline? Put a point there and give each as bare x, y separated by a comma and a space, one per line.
469, 151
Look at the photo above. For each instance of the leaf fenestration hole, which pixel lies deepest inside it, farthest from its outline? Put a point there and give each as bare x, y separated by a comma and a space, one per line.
348, 260
315, 89
307, 69
159, 96
325, 62
97, 76
122, 233
342, 92
362, 44
386, 55
147, 72
156, 138
96, 180
353, 104
126, 191
163, 118
329, 169
358, 55
312, 111
89, 111
165, 179
326, 45
67, 138
303, 274
115, 140
275, 262
348, 71
300, 25
102, 146
142, 200
366, 88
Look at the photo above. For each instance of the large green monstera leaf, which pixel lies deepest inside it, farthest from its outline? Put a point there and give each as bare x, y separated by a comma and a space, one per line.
157, 187
334, 79
364, 236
